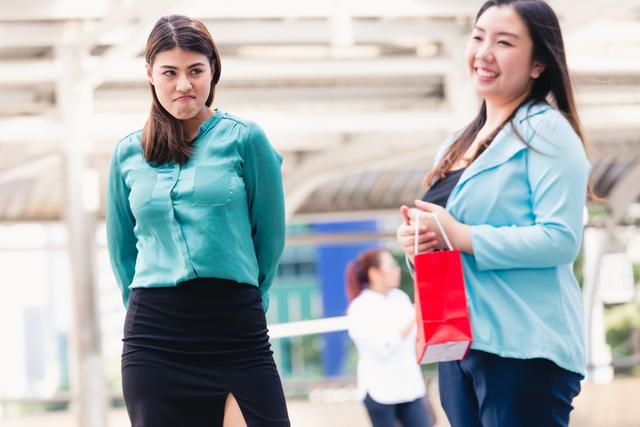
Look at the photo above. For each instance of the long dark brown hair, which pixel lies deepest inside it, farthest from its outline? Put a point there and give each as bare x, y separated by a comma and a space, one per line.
553, 85
163, 137
357, 273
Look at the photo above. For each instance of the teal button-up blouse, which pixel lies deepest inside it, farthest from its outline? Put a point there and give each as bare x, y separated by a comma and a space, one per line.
219, 215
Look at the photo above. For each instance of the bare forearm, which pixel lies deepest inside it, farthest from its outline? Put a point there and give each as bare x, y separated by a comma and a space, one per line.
407, 328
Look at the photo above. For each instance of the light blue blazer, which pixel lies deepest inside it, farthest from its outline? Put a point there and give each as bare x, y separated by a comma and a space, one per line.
525, 205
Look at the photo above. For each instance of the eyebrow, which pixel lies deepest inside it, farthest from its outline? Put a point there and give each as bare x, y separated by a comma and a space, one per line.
171, 67
500, 33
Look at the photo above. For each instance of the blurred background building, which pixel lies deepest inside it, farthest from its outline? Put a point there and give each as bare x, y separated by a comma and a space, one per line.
355, 94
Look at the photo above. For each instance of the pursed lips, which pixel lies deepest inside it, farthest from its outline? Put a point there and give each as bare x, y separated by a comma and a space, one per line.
185, 98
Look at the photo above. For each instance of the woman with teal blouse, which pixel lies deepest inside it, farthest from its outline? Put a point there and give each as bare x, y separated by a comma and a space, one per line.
195, 229
510, 191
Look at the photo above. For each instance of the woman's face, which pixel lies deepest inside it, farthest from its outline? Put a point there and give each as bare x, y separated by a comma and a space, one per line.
182, 81
389, 271
499, 56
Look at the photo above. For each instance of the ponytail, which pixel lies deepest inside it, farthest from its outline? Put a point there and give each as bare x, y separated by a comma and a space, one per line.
355, 283
357, 272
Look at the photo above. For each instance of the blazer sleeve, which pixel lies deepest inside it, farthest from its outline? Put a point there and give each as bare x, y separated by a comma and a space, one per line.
121, 241
558, 174
265, 197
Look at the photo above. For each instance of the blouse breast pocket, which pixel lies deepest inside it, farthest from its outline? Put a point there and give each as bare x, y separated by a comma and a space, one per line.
142, 183
213, 185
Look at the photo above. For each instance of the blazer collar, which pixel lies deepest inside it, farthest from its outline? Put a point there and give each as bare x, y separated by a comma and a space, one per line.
506, 144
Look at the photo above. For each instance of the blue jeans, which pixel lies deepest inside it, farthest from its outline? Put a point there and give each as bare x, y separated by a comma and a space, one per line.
410, 414
485, 390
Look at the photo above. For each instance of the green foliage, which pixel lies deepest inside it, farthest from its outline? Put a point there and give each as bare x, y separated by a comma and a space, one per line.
622, 321
311, 348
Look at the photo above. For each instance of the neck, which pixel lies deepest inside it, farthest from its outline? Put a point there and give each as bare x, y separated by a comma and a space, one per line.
192, 126
378, 288
499, 111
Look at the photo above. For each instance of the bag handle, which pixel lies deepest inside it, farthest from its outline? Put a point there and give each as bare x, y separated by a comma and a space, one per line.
438, 223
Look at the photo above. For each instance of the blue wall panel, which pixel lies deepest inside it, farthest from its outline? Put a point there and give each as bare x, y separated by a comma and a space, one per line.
332, 262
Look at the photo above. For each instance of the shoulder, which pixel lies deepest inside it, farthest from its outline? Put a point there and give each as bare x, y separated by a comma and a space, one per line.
400, 295
247, 128
539, 115
232, 119
252, 139
547, 129
359, 304
128, 145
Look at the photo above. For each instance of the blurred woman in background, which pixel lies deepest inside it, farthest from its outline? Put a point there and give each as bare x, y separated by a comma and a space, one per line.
381, 323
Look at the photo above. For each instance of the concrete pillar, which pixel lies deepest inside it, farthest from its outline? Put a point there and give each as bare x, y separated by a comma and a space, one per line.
599, 369
341, 24
458, 91
74, 96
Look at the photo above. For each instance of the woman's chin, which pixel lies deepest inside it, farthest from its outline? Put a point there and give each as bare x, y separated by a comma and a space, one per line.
183, 115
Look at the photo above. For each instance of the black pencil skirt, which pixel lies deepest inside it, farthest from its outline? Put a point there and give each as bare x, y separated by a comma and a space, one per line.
187, 347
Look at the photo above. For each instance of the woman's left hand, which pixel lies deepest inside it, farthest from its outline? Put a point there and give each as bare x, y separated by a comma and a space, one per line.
459, 234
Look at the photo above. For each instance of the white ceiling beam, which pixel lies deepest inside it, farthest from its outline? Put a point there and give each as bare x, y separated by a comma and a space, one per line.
405, 32
322, 8
293, 130
29, 34
36, 10
619, 117
124, 21
576, 14
28, 72
603, 36
257, 70
608, 95
97, 72
30, 129
316, 31
31, 168
47, 10
25, 72
252, 70
418, 94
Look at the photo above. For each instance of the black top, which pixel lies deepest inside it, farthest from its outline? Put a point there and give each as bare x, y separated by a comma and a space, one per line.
439, 192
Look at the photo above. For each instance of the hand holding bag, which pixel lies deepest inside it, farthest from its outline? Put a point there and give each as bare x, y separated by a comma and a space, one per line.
442, 316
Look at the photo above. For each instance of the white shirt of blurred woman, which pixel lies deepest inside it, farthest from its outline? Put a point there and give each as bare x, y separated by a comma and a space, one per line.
381, 323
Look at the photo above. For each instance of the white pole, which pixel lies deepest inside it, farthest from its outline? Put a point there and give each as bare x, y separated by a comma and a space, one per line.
75, 103
599, 369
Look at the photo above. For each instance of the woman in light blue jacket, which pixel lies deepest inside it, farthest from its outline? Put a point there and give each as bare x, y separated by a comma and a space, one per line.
510, 191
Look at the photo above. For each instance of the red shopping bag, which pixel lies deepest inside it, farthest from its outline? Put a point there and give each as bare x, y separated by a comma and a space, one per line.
442, 316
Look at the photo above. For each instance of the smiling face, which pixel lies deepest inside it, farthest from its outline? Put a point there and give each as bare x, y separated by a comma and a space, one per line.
499, 56
181, 80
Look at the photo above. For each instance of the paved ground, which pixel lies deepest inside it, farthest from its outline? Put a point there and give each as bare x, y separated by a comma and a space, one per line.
613, 405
